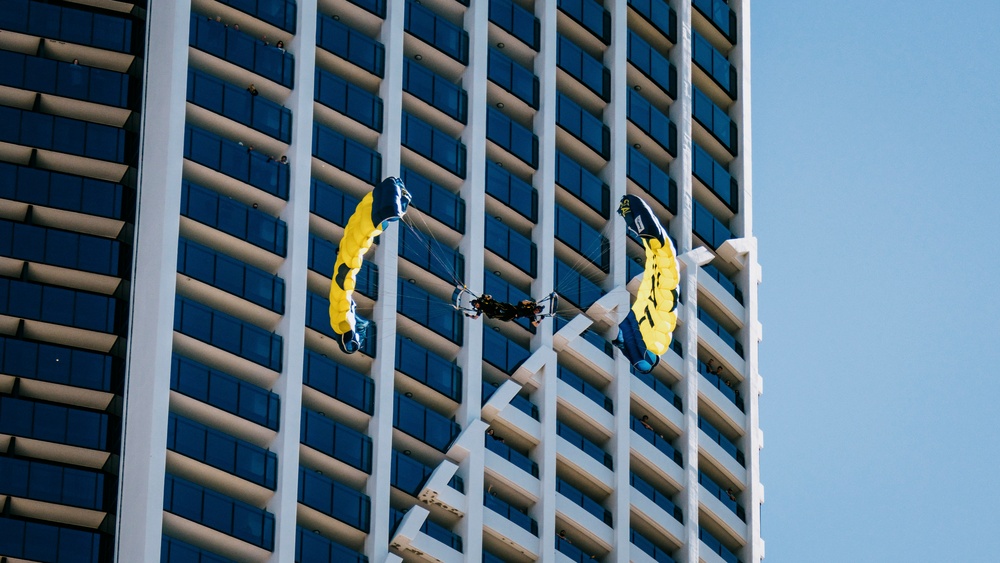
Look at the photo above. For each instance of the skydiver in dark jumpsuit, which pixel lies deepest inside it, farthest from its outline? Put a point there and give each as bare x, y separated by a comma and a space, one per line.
503, 311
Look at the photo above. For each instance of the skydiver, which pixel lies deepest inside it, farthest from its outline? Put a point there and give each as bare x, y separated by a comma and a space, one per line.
503, 311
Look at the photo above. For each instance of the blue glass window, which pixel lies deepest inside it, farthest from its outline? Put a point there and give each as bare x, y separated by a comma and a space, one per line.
511, 246
590, 130
724, 281
351, 45
519, 402
335, 499
234, 160
588, 447
574, 288
68, 24
709, 228
311, 547
336, 440
63, 134
512, 191
585, 68
219, 512
503, 353
435, 200
589, 335
280, 13
424, 24
323, 257
591, 392
658, 440
659, 14
515, 515
243, 50
716, 177
652, 179
512, 137
512, 77
659, 498
98, 85
648, 547
50, 482
721, 16
49, 543
409, 475
516, 21
661, 388
233, 102
222, 451
716, 546
435, 430
433, 144
224, 391
431, 255
428, 368
724, 387
434, 89
716, 491
339, 382
230, 275
331, 204
583, 238
59, 364
580, 182
584, 501
175, 551
652, 122
71, 426
520, 460
351, 100
573, 552
233, 218
346, 154
64, 191
67, 307
66, 249
714, 63
591, 15
228, 333
721, 439
651, 63
716, 120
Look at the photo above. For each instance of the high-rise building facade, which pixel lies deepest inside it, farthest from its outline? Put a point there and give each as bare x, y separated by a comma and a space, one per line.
175, 177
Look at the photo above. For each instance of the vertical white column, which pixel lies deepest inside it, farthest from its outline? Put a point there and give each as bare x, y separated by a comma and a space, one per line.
294, 271
681, 116
544, 236
615, 174
473, 192
380, 428
157, 223
474, 195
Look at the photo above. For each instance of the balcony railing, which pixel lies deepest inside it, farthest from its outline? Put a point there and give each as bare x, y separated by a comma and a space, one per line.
588, 447
219, 512
243, 50
228, 333
65, 191
224, 392
237, 161
339, 382
222, 451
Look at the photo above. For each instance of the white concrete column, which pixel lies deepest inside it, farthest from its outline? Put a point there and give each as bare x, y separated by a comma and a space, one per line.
681, 116
380, 428
544, 236
616, 175
473, 193
691, 263
154, 253
294, 271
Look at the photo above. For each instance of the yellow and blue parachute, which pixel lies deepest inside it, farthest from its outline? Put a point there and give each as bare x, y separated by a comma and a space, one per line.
646, 332
384, 204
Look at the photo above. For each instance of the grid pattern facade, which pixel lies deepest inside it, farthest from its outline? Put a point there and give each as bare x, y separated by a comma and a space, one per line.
174, 181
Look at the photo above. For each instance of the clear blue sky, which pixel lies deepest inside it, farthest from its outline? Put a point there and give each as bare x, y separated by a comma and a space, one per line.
876, 195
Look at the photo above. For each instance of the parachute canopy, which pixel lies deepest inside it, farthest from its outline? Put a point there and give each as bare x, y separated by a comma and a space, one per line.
386, 203
654, 310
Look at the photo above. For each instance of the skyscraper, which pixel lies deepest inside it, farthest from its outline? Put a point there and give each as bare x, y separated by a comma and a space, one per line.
175, 177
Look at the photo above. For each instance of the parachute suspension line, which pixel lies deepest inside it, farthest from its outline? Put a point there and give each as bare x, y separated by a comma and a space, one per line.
422, 237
